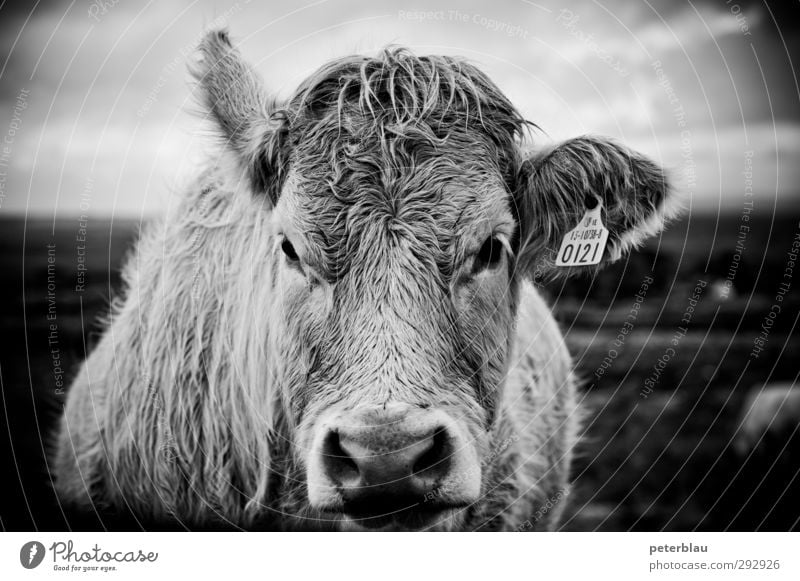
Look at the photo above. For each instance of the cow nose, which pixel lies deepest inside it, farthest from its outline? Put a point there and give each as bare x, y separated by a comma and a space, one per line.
385, 460
373, 463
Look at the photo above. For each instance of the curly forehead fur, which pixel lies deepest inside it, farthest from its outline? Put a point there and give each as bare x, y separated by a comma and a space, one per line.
378, 140
398, 95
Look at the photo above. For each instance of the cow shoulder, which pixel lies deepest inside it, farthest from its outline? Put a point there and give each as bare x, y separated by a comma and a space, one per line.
540, 403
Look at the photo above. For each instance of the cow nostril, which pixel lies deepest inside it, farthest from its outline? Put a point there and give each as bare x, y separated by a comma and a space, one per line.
338, 462
436, 459
379, 468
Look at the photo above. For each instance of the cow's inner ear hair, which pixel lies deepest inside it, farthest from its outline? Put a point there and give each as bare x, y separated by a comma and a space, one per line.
250, 123
271, 161
558, 185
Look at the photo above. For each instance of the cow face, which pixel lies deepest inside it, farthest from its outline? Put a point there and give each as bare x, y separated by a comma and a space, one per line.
405, 217
397, 311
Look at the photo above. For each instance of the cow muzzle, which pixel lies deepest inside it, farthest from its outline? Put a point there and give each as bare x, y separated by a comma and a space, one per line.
396, 467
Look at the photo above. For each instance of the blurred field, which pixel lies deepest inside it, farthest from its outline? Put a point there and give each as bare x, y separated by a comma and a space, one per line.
650, 463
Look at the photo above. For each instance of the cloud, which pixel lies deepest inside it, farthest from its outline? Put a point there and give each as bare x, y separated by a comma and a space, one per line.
109, 99
694, 25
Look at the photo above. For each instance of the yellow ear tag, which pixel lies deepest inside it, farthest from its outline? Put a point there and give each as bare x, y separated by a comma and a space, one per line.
584, 245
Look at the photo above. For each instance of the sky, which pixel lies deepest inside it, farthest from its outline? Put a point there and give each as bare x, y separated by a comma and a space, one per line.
98, 118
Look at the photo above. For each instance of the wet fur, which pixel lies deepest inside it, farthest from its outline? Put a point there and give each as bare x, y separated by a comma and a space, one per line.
194, 406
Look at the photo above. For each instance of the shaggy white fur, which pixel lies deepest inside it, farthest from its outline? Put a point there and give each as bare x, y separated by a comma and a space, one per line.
336, 260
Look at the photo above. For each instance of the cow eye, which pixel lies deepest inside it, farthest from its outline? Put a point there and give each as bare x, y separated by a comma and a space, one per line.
490, 255
289, 250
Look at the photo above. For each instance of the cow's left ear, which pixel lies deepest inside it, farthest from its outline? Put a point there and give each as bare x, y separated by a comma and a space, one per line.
556, 187
245, 115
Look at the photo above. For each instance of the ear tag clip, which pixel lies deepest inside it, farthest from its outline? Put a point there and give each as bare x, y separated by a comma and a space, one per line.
585, 244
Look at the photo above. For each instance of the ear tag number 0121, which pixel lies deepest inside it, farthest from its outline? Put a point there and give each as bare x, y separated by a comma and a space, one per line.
584, 245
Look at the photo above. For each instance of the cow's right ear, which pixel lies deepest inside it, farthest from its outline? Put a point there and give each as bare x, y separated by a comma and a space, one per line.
246, 117
558, 185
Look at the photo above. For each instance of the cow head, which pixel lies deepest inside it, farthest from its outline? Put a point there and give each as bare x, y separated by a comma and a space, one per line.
406, 215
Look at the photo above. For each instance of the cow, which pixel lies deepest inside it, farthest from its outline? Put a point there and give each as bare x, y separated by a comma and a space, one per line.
752, 485
770, 411
340, 328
